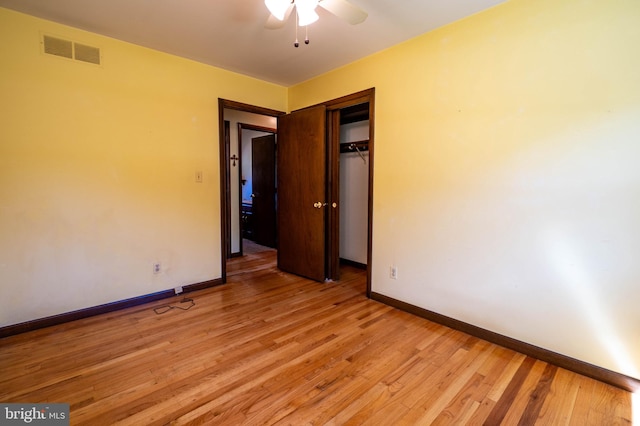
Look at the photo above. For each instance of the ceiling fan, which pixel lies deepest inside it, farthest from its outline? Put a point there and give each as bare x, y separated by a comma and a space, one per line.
306, 14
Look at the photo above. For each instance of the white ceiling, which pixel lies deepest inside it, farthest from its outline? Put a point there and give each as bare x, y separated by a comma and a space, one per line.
230, 34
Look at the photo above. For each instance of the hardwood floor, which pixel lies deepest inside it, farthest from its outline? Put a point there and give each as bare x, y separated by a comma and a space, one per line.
272, 348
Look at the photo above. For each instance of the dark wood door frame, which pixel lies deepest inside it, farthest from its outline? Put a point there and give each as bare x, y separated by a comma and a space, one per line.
225, 193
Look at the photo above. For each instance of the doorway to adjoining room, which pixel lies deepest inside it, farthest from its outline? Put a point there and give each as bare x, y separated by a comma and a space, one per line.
256, 176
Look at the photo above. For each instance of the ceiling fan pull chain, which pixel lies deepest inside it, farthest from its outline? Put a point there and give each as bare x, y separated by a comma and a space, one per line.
306, 34
296, 44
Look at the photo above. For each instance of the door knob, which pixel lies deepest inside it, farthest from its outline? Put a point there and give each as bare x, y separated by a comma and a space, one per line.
317, 205
253, 195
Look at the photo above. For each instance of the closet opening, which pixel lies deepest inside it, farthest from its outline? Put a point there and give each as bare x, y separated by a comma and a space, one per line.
354, 185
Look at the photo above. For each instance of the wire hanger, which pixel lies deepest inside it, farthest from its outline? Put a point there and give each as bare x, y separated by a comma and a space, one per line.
354, 146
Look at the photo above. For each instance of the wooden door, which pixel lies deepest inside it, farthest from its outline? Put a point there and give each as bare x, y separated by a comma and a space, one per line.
263, 172
301, 169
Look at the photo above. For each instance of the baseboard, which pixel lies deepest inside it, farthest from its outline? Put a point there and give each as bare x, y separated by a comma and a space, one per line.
598, 373
100, 309
202, 285
353, 263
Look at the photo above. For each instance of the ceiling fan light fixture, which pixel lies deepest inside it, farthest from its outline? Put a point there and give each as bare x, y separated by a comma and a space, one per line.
306, 12
278, 8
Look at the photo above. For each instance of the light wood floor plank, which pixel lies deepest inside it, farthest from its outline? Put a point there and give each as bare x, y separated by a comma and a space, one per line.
272, 348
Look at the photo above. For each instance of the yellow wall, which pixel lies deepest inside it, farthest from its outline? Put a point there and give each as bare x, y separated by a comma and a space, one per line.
506, 184
97, 170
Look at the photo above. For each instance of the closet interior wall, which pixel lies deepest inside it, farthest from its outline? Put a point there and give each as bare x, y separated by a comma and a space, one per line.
354, 184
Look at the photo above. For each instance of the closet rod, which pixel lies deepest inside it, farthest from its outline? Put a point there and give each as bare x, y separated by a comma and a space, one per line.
354, 146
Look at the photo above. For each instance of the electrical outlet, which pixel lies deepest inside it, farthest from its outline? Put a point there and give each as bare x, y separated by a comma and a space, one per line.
393, 272
156, 268
178, 290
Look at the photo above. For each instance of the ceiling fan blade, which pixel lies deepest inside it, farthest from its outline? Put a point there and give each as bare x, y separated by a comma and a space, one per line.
274, 23
344, 10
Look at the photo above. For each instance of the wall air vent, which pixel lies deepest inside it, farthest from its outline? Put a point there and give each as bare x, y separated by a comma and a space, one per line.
72, 50
58, 47
87, 53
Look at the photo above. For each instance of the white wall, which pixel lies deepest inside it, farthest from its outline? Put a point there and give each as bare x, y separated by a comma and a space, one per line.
354, 194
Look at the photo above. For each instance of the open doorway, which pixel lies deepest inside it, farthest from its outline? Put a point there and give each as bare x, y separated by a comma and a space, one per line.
257, 174
343, 117
354, 184
238, 122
